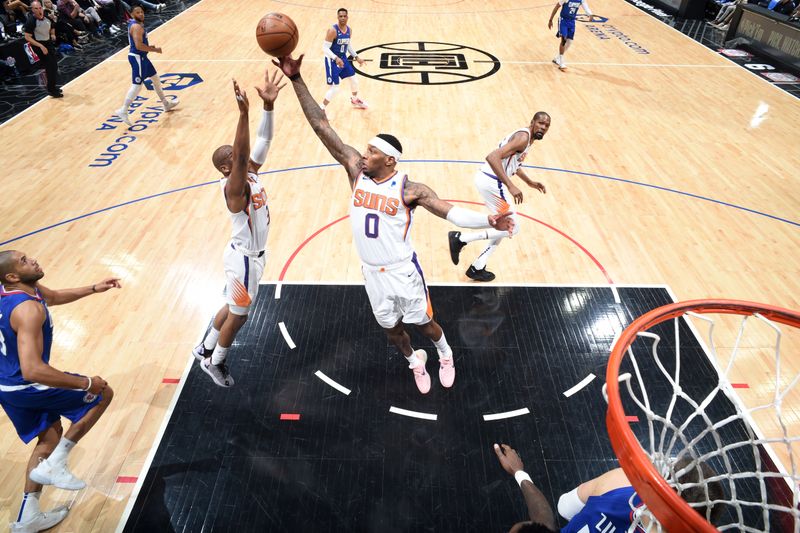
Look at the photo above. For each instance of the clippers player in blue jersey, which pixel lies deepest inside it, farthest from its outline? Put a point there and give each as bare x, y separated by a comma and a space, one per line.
141, 67
381, 213
566, 25
606, 503
336, 48
35, 395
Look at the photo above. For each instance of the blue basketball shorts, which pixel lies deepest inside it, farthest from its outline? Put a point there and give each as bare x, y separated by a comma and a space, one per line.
32, 410
333, 73
566, 28
141, 68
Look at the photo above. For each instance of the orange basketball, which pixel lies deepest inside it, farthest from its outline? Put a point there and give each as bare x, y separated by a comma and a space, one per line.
277, 34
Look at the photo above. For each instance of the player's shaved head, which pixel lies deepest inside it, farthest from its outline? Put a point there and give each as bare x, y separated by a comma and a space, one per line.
541, 114
8, 264
222, 157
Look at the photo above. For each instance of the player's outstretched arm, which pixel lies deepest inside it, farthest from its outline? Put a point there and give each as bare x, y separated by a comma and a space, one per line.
268, 94
422, 195
236, 186
539, 509
65, 296
346, 155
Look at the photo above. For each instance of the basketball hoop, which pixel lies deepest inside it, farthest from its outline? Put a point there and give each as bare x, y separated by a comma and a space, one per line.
706, 424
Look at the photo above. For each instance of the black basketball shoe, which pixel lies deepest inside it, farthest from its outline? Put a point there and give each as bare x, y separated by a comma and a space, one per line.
455, 245
479, 275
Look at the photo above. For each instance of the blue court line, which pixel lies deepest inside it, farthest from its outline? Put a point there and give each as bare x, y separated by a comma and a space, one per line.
459, 161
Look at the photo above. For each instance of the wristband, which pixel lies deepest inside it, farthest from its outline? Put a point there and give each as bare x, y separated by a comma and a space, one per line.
295, 76
93, 289
89, 386
520, 476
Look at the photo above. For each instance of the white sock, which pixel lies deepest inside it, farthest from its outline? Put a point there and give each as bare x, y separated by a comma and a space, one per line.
59, 455
480, 262
412, 359
210, 341
445, 352
219, 355
470, 237
30, 506
132, 93
157, 87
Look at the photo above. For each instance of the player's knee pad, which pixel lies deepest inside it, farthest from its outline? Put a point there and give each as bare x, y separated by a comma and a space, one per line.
239, 311
332, 90
569, 504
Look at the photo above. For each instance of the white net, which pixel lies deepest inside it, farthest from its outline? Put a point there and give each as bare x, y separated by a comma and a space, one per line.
716, 408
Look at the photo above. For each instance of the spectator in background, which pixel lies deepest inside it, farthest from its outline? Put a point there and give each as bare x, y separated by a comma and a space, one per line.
65, 33
723, 18
16, 9
795, 16
784, 7
73, 14
145, 4
41, 35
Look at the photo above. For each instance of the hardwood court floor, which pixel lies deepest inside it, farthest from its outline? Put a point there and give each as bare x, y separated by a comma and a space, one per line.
663, 167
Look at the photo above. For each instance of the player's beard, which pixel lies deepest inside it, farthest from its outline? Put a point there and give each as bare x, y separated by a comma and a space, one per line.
32, 278
538, 135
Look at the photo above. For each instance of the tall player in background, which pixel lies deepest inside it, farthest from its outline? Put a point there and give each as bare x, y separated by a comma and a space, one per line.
381, 211
141, 67
336, 48
36, 395
566, 25
244, 256
493, 181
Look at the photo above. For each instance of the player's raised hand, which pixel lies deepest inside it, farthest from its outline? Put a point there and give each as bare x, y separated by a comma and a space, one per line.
503, 222
289, 65
241, 98
108, 283
509, 458
269, 93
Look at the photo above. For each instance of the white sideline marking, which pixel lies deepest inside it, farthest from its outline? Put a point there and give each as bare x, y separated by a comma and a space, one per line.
585, 381
507, 414
278, 291
286, 336
616, 294
414, 414
329, 381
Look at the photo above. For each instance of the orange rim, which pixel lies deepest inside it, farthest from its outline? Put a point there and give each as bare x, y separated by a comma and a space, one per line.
669, 508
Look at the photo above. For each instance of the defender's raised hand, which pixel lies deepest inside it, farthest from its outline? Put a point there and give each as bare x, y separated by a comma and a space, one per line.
272, 86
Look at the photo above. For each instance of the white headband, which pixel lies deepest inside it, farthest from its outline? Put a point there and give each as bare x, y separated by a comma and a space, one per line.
385, 147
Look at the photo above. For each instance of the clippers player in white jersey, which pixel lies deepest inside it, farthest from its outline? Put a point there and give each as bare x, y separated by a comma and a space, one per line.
335, 49
245, 254
493, 181
141, 67
381, 211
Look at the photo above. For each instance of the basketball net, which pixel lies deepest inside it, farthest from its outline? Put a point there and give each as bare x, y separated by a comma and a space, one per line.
663, 426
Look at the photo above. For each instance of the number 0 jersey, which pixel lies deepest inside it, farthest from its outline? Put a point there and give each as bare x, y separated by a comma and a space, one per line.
251, 226
381, 220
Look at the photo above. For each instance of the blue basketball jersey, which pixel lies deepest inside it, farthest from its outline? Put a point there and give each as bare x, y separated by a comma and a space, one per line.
569, 9
339, 46
133, 49
609, 513
10, 371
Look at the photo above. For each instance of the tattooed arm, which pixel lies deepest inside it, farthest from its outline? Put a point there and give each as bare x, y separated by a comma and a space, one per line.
346, 155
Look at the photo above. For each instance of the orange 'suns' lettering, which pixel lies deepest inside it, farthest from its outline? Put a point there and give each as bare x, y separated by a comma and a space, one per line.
259, 199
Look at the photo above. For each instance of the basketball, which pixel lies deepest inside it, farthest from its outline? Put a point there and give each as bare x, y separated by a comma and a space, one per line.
277, 34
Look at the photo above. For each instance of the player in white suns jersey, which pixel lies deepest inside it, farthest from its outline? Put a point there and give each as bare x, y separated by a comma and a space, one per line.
381, 212
493, 181
245, 254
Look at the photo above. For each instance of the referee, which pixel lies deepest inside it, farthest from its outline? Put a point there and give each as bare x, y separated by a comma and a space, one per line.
39, 33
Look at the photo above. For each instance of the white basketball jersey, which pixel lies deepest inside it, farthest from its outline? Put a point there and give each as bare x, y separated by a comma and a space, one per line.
381, 220
512, 162
251, 226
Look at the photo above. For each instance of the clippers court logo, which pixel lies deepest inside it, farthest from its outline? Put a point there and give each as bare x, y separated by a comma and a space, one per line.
582, 17
176, 81
427, 63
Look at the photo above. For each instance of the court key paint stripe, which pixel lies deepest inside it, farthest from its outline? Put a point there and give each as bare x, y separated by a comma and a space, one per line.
171, 380
414, 414
740, 385
290, 416
127, 479
329, 381
585, 381
507, 414
286, 336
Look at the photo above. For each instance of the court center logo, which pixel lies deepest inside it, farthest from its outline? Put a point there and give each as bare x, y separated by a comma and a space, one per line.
586, 18
427, 63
